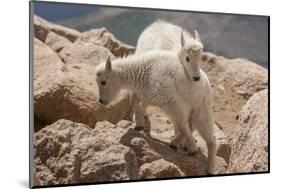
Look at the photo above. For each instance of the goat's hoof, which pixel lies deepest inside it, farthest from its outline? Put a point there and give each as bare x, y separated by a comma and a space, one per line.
185, 149
192, 151
173, 147
139, 128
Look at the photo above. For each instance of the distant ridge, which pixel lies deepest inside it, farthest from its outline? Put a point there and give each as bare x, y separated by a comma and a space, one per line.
227, 35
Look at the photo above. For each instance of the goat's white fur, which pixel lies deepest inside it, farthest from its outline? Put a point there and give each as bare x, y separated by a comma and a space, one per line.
167, 36
158, 78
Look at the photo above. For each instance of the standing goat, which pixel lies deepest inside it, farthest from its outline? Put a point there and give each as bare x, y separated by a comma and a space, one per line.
167, 36
157, 78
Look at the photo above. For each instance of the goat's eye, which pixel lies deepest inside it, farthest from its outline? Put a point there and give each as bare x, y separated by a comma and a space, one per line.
103, 82
187, 59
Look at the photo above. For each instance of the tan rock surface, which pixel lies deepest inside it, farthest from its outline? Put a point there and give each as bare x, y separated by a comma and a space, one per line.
69, 90
234, 81
250, 141
103, 37
149, 149
42, 27
67, 152
56, 42
84, 53
159, 169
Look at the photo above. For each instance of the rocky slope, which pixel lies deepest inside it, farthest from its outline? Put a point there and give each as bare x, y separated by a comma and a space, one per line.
68, 152
73, 143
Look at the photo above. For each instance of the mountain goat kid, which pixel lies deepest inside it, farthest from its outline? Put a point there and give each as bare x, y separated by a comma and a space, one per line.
167, 36
157, 78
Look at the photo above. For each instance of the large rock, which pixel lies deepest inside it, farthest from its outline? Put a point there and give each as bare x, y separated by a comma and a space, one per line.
159, 169
84, 53
149, 150
48, 72
43, 27
103, 37
250, 141
56, 42
69, 90
234, 81
67, 152
145, 154
240, 75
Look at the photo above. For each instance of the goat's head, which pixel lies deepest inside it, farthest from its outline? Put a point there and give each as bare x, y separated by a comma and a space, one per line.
190, 55
108, 83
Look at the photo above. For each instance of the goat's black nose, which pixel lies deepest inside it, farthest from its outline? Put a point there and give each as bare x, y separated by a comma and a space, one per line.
196, 78
100, 100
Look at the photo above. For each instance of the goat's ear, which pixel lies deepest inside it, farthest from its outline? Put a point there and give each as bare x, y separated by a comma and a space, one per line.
204, 57
108, 66
197, 36
182, 39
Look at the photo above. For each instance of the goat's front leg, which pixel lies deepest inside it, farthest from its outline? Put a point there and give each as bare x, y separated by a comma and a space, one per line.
206, 130
182, 130
178, 140
142, 119
184, 139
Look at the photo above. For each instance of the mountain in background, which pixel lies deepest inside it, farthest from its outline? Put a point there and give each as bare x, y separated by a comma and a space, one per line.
53, 11
223, 34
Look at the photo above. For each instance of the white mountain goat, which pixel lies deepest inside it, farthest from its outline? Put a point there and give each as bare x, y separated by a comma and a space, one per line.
167, 36
157, 78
